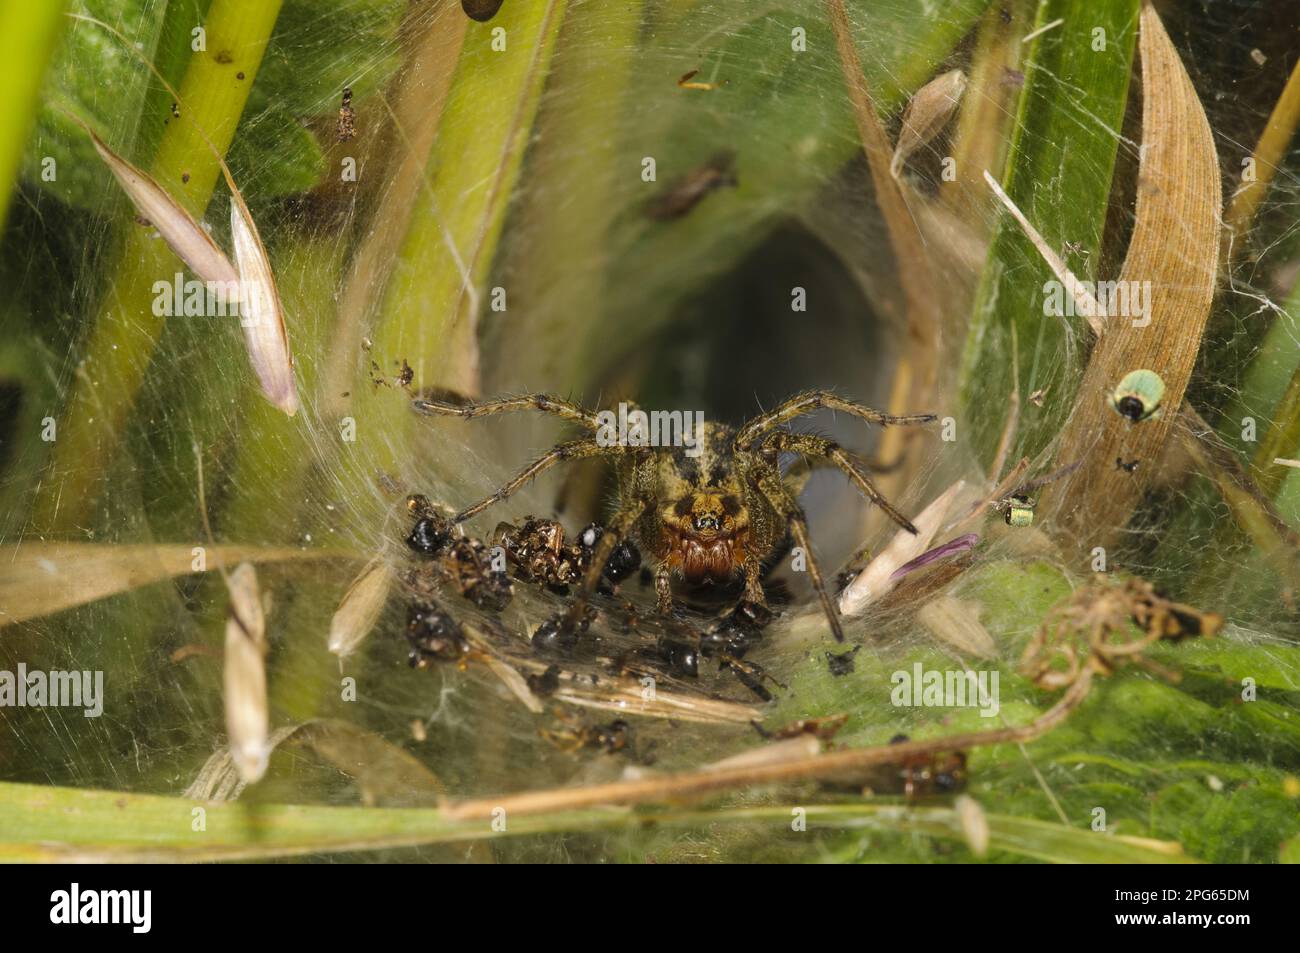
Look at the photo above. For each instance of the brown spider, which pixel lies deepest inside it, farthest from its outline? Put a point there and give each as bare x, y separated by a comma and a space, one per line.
706, 518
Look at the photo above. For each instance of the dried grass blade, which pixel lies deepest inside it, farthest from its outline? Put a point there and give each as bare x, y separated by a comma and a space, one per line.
914, 266
1175, 247
1084, 300
39, 579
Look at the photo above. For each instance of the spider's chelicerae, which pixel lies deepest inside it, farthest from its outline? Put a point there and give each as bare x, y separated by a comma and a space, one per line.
708, 516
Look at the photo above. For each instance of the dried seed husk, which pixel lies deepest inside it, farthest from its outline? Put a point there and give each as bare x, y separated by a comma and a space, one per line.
927, 113
360, 608
244, 675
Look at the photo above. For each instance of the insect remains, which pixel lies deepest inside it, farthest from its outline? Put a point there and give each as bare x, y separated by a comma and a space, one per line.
481, 11
1138, 395
346, 127
683, 194
688, 81
704, 518
1018, 508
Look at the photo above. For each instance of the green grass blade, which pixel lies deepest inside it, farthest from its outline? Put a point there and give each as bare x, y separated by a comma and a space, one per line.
28, 32
1059, 173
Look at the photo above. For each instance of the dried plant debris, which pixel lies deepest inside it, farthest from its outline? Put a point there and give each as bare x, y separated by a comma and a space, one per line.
926, 115
824, 729
688, 81
346, 128
1106, 624
915, 777
244, 675
683, 194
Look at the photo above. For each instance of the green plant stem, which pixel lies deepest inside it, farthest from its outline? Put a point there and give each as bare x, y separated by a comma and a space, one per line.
121, 344
1283, 434
550, 298
28, 35
430, 311
53, 824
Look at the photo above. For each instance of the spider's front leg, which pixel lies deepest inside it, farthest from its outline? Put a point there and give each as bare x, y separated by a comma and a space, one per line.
560, 453
752, 432
544, 403
819, 448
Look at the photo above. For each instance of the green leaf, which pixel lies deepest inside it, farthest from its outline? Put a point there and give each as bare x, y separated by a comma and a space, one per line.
1059, 174
100, 81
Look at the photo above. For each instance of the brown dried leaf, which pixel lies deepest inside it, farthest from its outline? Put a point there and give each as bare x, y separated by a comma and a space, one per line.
1175, 247
38, 579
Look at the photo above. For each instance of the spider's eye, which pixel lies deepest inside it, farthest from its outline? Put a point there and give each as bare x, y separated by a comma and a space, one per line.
706, 521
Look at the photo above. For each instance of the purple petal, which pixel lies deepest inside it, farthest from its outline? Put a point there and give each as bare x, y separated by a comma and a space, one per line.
958, 545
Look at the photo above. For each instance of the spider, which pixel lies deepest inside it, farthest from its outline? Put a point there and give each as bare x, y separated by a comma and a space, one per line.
707, 518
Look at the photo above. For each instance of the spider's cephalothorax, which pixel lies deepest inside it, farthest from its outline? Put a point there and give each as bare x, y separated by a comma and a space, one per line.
709, 521
709, 513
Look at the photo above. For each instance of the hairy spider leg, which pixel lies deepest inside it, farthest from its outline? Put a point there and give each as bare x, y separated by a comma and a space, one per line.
779, 497
809, 401
505, 405
572, 450
817, 447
